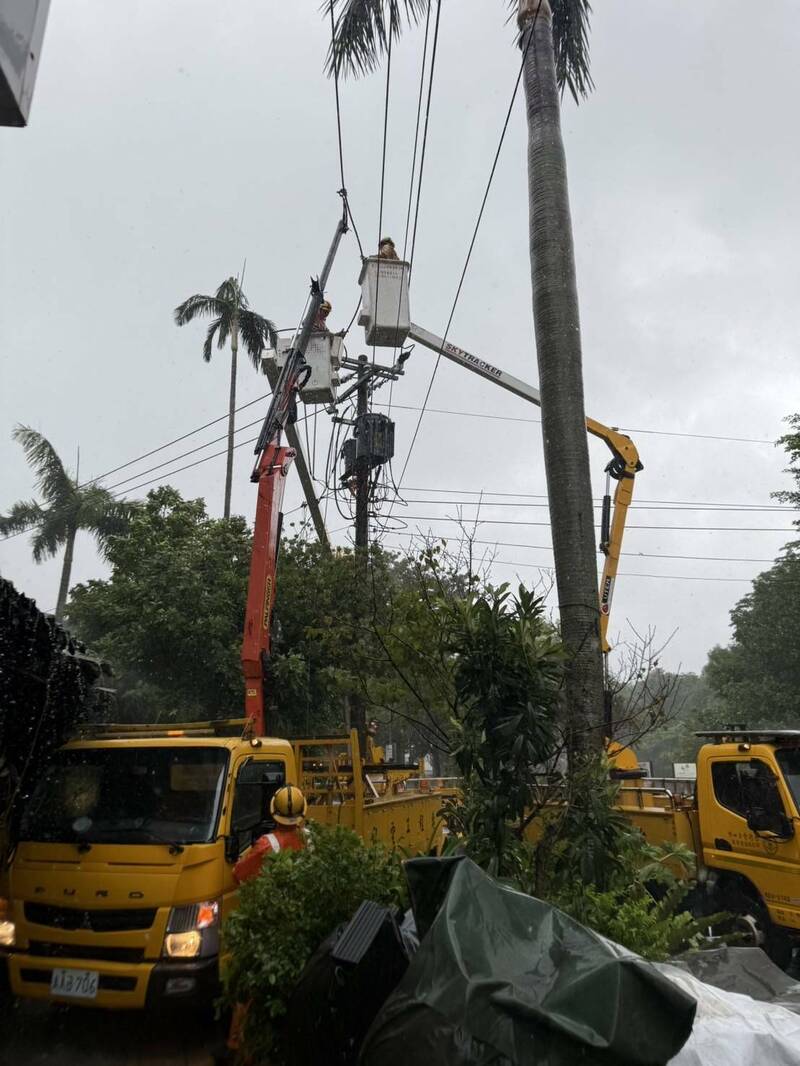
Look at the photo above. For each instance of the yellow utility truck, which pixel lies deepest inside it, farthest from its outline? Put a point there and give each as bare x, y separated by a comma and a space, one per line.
123, 868
741, 822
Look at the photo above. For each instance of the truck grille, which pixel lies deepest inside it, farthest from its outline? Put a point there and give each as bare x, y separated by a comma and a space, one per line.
82, 951
95, 921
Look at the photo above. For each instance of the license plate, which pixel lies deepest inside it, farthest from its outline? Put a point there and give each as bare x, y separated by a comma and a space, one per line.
77, 984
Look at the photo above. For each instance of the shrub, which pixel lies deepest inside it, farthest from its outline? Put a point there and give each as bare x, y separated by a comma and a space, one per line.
287, 911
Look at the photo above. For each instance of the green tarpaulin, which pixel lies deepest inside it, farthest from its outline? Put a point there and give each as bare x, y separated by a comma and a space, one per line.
502, 979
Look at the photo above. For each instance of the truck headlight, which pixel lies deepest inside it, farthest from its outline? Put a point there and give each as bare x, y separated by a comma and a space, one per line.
193, 931
7, 928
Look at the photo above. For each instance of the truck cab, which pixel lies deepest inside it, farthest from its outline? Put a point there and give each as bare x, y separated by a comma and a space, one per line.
748, 804
122, 873
123, 870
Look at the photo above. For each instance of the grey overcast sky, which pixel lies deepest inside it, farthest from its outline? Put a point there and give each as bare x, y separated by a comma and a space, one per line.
171, 140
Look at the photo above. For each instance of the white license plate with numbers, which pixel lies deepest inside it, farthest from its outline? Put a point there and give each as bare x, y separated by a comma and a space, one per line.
78, 984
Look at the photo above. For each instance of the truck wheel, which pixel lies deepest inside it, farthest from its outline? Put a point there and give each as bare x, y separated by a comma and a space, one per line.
758, 931
778, 945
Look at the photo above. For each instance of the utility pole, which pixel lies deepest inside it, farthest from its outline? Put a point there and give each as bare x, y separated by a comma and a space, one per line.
370, 448
358, 710
362, 471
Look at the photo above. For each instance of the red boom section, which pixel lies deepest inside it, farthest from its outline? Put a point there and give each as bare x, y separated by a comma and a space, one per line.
271, 471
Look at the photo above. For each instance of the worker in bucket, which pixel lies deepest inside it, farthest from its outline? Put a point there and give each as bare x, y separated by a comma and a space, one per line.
287, 808
386, 249
320, 321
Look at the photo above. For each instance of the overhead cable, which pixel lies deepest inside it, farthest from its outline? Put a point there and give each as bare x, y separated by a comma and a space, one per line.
471, 244
623, 429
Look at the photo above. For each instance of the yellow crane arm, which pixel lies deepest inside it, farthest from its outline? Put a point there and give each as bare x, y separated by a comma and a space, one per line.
623, 467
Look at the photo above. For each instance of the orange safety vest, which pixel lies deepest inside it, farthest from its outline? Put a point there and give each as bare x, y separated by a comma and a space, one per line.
270, 844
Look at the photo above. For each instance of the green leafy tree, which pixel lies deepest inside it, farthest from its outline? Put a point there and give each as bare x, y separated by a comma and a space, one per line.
691, 706
232, 319
554, 40
791, 442
757, 677
507, 676
170, 616
286, 912
66, 507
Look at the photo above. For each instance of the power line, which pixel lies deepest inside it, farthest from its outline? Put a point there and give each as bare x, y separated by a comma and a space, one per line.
335, 64
414, 161
543, 496
641, 506
538, 421
434, 48
677, 529
177, 440
630, 555
215, 455
471, 245
627, 574
183, 455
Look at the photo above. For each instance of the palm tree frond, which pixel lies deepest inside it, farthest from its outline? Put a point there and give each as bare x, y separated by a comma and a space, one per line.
52, 480
212, 329
571, 46
22, 516
105, 517
50, 535
230, 293
257, 333
362, 30
197, 305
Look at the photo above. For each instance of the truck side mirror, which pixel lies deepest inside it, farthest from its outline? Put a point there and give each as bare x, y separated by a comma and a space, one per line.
232, 848
777, 824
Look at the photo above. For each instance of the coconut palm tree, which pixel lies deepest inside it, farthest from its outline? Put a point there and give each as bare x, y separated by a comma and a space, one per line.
232, 318
554, 40
66, 508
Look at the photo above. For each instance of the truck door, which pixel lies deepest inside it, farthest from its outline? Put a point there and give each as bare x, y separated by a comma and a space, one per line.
747, 829
257, 781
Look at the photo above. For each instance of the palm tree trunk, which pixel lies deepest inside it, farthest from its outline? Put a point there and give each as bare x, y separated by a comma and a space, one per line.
231, 416
558, 348
66, 571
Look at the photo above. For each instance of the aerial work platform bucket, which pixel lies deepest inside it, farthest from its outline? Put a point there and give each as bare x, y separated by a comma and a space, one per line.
385, 315
323, 356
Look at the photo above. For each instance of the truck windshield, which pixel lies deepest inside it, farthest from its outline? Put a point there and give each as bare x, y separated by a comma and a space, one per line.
128, 796
789, 762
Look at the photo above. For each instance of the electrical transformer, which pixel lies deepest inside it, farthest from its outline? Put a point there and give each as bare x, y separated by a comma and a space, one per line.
373, 441
375, 438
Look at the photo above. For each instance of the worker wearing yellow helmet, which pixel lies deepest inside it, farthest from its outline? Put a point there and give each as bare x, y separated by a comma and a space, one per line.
320, 323
288, 810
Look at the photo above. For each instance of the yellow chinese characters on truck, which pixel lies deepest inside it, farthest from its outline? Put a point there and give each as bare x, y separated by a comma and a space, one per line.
123, 872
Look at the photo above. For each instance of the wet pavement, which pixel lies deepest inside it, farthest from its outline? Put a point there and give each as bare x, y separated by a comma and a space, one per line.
41, 1034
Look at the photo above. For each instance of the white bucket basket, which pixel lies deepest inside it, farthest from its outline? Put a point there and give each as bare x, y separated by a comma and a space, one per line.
323, 356
385, 314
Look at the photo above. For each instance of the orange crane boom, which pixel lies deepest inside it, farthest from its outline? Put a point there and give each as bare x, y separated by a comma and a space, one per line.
273, 464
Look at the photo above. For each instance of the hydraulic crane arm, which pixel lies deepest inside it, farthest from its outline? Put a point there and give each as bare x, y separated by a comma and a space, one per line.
272, 466
270, 472
623, 467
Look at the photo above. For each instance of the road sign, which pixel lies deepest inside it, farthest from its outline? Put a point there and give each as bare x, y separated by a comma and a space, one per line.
684, 771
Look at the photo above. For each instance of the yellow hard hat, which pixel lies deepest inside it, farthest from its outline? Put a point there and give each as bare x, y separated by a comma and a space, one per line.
325, 306
288, 806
